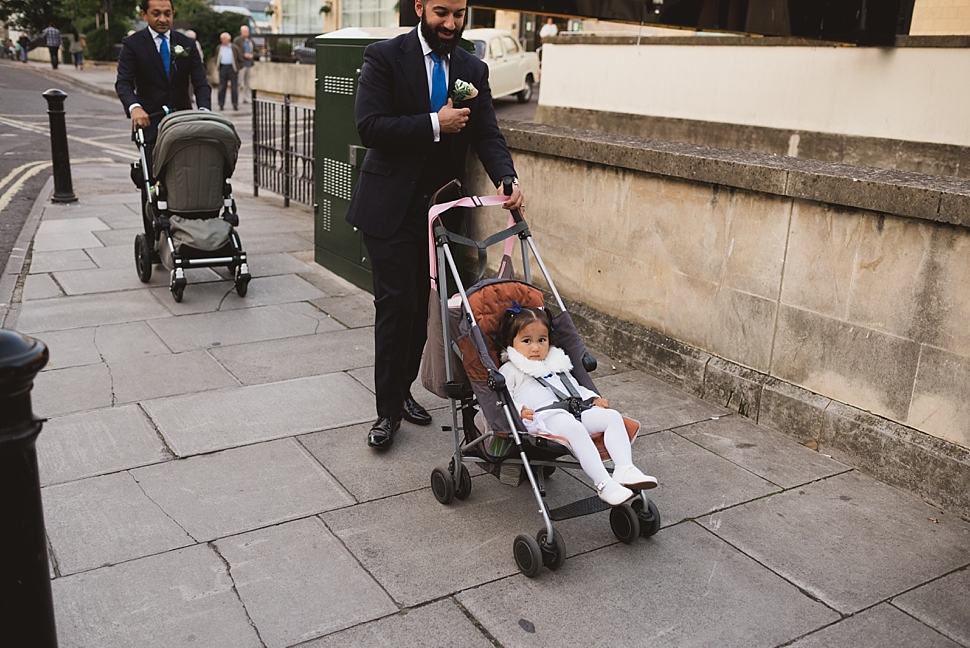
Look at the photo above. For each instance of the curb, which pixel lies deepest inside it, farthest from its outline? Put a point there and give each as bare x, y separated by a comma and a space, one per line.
83, 85
17, 263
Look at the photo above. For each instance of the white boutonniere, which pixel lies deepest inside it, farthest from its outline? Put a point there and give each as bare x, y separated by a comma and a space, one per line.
463, 90
180, 52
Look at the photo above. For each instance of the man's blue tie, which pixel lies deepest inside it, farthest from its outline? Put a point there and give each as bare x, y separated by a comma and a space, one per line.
439, 86
166, 58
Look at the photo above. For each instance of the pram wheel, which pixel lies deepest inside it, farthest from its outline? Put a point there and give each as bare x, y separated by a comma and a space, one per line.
177, 291
443, 485
624, 523
649, 518
241, 281
463, 487
143, 258
553, 553
528, 555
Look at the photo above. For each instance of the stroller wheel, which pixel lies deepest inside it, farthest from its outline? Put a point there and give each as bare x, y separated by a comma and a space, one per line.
649, 518
553, 553
177, 291
464, 487
528, 556
241, 282
143, 258
624, 523
442, 485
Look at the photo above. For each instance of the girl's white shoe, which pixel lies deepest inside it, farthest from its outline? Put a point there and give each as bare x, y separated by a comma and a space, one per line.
631, 477
612, 492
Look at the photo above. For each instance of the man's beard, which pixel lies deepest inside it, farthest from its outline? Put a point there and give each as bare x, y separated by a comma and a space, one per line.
439, 46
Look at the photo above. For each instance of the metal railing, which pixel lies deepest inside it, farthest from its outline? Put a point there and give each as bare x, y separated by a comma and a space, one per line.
283, 149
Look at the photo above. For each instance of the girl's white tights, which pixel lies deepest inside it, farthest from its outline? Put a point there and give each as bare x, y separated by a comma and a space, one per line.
595, 419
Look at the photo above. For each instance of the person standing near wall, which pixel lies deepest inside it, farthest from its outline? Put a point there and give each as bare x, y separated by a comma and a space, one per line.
52, 36
243, 43
24, 43
77, 49
228, 70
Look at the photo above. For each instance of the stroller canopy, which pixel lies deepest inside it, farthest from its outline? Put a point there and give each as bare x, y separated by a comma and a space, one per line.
188, 128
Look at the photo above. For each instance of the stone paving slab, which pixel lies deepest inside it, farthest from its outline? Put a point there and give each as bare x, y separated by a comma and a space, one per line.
40, 286
278, 289
224, 493
104, 521
767, 454
86, 310
76, 223
55, 242
139, 379
273, 242
113, 279
437, 624
273, 222
137, 340
124, 236
876, 627
198, 423
298, 582
98, 442
71, 348
224, 328
116, 256
830, 536
297, 357
75, 389
197, 298
353, 311
61, 260
362, 471
267, 265
461, 545
179, 598
683, 587
693, 481
942, 604
652, 402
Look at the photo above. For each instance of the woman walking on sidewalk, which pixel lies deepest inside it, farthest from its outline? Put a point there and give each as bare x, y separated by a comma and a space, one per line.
77, 48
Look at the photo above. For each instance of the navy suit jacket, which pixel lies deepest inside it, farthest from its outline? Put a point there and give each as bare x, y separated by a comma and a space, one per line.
392, 110
141, 76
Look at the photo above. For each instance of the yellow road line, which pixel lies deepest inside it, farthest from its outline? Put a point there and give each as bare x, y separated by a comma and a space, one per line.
15, 187
13, 174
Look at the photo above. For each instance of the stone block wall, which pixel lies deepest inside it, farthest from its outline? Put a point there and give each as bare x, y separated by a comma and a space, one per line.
828, 301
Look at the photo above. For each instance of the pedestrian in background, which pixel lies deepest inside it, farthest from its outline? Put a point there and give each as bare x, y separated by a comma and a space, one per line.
24, 43
227, 56
191, 34
245, 45
78, 43
52, 36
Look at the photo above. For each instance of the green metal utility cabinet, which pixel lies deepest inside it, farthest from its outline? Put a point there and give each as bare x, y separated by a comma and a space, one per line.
337, 151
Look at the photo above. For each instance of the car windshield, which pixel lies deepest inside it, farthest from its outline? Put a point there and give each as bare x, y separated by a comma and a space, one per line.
479, 48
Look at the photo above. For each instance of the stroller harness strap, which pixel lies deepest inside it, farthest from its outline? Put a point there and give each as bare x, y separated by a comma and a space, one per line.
571, 402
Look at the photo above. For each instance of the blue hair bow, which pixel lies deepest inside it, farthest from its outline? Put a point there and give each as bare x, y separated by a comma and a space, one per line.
516, 307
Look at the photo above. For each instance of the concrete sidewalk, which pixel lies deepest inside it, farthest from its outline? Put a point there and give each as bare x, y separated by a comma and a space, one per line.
206, 482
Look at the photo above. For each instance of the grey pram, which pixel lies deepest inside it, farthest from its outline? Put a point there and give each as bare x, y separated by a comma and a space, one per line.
190, 215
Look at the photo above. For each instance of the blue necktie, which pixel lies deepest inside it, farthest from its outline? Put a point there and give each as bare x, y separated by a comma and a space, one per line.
166, 58
439, 87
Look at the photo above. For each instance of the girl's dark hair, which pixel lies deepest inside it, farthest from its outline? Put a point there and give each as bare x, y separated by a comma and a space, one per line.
518, 317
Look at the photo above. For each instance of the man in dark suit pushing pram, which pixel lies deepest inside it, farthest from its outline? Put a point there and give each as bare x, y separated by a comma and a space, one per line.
417, 139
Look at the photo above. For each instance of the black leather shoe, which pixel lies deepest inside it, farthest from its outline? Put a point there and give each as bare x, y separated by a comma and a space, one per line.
414, 413
381, 434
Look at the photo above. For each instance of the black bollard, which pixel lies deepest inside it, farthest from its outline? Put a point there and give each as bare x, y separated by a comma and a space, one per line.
26, 604
63, 187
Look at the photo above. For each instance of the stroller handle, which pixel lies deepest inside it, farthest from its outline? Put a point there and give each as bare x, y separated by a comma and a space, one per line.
140, 133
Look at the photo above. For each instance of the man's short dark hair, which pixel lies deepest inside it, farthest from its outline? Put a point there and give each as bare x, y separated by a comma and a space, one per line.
144, 5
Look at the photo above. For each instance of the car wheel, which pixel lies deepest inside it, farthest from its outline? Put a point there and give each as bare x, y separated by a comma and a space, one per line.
525, 94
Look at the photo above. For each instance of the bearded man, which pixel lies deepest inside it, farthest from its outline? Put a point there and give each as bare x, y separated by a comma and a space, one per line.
416, 140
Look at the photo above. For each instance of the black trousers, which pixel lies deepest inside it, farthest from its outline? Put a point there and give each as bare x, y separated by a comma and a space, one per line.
227, 74
55, 51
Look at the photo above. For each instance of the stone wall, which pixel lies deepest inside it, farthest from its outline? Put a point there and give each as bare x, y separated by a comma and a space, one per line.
828, 301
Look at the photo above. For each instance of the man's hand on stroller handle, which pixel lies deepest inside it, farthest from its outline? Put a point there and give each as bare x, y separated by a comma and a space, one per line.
139, 118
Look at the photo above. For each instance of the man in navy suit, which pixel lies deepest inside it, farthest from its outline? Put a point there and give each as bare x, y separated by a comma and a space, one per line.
147, 81
154, 69
416, 140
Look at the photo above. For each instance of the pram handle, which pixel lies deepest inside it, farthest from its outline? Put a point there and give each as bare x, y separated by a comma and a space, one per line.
140, 133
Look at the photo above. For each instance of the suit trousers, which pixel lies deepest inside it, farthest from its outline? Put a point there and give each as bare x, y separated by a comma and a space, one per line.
245, 72
401, 287
227, 74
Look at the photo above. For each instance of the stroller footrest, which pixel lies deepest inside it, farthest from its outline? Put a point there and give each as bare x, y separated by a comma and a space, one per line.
580, 508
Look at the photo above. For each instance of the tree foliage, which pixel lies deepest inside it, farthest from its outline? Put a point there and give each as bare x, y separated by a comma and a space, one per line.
33, 16
207, 24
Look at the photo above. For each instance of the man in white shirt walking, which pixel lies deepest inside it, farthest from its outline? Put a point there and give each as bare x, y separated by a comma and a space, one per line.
228, 70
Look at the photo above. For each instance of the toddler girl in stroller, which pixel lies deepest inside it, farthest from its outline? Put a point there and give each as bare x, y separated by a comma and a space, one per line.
556, 407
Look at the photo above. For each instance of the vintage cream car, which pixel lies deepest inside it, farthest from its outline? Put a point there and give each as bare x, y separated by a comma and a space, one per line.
511, 70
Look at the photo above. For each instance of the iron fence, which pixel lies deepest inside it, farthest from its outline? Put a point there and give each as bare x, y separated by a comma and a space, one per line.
283, 149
